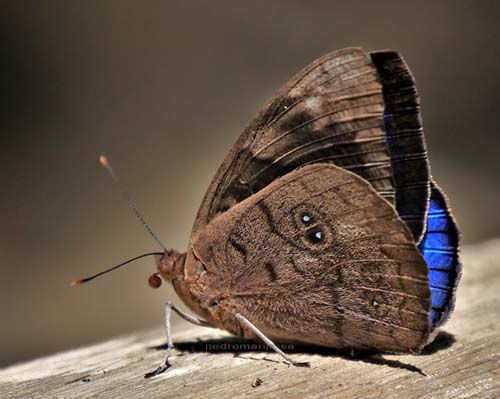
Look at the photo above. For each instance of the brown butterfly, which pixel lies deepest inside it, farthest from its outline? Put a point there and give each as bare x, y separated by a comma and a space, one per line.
323, 225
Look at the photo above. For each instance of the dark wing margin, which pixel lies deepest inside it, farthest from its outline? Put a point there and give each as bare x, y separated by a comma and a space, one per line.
405, 139
440, 248
331, 111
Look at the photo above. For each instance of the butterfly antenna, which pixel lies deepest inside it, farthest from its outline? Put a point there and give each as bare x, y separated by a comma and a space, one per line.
84, 280
105, 163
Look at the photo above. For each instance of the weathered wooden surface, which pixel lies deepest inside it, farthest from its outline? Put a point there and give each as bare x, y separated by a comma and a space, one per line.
464, 362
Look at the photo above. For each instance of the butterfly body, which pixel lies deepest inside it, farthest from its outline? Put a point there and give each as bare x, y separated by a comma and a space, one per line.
323, 225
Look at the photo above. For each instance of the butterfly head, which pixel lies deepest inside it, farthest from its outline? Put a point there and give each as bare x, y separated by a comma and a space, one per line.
168, 264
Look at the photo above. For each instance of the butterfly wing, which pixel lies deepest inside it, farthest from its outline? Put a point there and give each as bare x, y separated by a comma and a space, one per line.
319, 257
440, 249
405, 139
333, 111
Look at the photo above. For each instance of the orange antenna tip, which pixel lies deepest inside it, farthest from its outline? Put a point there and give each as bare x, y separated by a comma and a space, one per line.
74, 283
103, 161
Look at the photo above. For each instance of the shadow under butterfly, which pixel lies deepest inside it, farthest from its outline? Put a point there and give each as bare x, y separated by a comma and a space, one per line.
323, 225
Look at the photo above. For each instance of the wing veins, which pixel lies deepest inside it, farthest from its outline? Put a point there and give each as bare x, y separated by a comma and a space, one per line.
373, 139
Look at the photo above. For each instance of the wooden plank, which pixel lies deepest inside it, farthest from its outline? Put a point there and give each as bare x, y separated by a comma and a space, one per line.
463, 363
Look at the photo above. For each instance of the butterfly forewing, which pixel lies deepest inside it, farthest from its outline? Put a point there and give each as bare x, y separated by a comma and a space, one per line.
332, 111
405, 139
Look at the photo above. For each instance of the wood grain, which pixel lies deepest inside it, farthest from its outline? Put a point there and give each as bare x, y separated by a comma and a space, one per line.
463, 363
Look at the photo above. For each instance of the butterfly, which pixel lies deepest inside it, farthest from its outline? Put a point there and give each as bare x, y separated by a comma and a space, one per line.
323, 225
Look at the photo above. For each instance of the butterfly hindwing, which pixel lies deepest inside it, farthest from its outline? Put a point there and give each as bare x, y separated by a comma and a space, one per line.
319, 257
440, 249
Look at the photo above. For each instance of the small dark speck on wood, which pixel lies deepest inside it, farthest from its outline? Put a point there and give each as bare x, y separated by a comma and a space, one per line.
257, 383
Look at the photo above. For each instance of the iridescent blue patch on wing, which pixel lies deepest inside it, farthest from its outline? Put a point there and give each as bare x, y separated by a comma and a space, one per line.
440, 249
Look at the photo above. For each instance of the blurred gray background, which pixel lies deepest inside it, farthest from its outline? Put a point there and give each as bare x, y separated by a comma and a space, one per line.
164, 89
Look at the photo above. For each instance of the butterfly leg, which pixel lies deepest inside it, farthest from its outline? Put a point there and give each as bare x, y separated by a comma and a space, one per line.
169, 306
243, 320
187, 317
